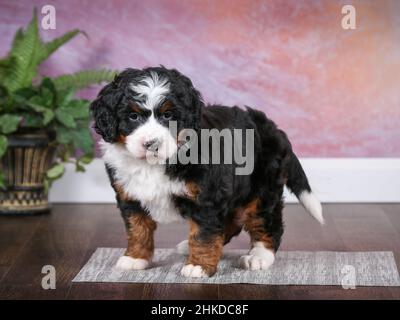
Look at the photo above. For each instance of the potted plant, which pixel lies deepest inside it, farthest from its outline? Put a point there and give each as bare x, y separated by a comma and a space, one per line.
43, 125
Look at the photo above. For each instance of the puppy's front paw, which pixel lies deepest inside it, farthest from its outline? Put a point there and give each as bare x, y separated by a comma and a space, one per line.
190, 270
259, 258
183, 247
129, 263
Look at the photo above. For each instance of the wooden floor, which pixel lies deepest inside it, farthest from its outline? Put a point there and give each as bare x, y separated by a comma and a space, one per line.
67, 238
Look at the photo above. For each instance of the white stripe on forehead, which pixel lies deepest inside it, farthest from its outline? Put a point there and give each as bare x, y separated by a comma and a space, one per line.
152, 89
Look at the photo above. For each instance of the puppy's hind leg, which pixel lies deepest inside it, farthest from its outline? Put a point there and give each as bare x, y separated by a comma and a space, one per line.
205, 250
265, 228
231, 230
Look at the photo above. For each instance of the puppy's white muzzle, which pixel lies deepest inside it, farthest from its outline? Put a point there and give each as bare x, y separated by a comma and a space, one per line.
151, 141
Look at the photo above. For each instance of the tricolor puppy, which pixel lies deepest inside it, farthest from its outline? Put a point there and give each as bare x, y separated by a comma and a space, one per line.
133, 115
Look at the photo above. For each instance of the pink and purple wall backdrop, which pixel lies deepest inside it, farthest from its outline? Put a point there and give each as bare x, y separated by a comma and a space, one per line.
335, 92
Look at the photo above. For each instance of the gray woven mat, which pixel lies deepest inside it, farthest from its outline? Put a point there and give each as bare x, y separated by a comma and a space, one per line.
290, 268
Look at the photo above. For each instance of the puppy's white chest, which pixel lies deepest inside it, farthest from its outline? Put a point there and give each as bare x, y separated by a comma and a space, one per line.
144, 182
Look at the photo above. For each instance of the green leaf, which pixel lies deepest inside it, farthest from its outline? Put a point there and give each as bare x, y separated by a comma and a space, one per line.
2, 181
3, 145
79, 167
4, 99
6, 65
32, 120
64, 136
87, 158
24, 54
83, 79
9, 123
43, 99
65, 118
36, 107
82, 161
48, 83
48, 114
47, 117
49, 91
18, 37
3, 92
78, 109
46, 184
56, 171
82, 139
48, 48
25, 93
37, 101
27, 52
64, 152
64, 97
4, 96
47, 97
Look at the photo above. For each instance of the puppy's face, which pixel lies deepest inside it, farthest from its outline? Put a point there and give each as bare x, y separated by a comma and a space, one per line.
145, 109
145, 115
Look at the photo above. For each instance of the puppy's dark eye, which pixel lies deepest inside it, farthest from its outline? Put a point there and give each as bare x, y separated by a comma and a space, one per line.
167, 115
134, 116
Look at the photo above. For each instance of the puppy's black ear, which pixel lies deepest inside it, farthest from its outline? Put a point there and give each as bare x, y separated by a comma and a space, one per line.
190, 97
104, 109
196, 102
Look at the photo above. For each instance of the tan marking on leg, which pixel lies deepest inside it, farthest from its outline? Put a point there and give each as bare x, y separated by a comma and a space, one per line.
254, 225
205, 253
234, 223
140, 236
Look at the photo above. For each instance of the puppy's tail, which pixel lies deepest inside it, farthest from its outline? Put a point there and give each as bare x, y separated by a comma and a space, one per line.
298, 183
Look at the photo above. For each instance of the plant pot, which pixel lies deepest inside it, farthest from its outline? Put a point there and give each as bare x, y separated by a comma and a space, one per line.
24, 165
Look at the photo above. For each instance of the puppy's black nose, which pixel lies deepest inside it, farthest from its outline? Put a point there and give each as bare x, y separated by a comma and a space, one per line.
152, 144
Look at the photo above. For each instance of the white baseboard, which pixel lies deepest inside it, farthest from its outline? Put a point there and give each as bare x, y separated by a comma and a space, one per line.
332, 179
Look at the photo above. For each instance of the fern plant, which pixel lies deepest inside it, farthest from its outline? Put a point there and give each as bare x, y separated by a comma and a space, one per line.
31, 101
